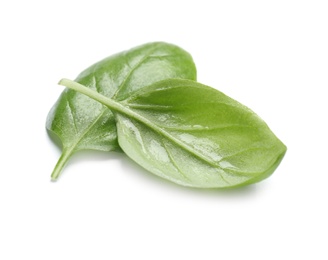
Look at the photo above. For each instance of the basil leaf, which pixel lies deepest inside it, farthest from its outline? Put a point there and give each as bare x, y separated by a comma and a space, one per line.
193, 135
82, 123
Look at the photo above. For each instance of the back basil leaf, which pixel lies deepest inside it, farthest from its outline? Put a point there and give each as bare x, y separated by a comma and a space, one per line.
82, 123
193, 135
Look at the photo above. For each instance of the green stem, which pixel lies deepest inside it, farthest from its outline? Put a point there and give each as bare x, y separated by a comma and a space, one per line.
94, 95
66, 154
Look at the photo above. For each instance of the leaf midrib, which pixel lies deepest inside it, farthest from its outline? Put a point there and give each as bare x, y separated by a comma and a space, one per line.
124, 110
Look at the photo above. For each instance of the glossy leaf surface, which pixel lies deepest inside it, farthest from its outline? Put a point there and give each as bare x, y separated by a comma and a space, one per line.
193, 135
82, 123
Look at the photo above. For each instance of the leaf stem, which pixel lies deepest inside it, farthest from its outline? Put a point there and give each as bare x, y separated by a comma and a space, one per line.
92, 94
66, 154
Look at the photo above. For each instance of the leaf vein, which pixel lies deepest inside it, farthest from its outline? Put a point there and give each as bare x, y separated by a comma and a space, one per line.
247, 150
122, 85
173, 161
84, 133
201, 128
71, 113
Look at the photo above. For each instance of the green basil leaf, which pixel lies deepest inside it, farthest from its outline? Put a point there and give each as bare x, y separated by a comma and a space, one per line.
82, 123
193, 135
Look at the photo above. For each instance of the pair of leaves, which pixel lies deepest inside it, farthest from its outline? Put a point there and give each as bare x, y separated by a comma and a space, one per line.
192, 134
177, 129
83, 124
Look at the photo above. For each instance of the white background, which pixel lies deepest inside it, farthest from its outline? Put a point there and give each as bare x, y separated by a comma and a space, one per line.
270, 55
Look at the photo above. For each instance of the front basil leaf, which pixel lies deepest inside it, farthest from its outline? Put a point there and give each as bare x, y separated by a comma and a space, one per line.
193, 135
82, 123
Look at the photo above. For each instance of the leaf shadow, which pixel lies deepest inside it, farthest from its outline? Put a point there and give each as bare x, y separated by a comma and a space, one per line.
130, 167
